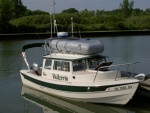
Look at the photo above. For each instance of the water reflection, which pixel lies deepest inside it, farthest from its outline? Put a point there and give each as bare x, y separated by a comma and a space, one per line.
51, 104
10, 58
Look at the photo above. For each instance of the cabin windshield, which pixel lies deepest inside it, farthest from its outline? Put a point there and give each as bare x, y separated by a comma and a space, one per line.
61, 66
79, 65
48, 63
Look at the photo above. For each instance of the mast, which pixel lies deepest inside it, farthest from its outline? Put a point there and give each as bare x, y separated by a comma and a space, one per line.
51, 22
52, 19
72, 26
54, 15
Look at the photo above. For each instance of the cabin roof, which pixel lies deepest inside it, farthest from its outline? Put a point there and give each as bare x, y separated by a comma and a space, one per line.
71, 57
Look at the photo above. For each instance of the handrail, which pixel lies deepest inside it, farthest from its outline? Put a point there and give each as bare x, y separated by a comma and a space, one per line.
119, 67
120, 64
24, 57
117, 72
25, 47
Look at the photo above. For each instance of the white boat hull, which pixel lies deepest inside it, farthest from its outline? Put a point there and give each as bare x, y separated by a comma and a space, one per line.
46, 102
111, 95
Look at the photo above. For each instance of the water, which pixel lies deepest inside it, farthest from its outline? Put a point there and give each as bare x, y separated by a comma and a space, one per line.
16, 98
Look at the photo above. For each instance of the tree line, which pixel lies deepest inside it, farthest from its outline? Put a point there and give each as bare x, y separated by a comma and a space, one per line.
16, 18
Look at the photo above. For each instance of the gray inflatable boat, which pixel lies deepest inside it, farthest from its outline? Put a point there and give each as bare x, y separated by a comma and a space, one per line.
76, 45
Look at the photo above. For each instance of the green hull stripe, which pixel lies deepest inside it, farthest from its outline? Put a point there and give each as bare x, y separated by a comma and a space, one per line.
69, 88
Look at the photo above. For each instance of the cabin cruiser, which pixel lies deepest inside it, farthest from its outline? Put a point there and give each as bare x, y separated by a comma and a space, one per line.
75, 69
144, 87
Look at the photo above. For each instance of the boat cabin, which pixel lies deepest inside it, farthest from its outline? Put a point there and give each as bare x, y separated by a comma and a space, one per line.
72, 63
74, 60
69, 67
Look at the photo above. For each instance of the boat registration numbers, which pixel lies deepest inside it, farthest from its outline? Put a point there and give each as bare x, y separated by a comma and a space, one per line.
118, 88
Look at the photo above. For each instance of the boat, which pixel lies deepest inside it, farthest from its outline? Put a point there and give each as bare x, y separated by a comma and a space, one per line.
50, 104
75, 69
144, 87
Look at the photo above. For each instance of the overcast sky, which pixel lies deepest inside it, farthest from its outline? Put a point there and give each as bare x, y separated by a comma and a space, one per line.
61, 5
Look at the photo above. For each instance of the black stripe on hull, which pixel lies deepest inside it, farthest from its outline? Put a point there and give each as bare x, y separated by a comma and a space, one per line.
70, 88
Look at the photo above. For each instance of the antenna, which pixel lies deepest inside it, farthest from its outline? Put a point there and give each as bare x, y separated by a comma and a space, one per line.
51, 22
72, 26
55, 24
54, 15
79, 34
52, 19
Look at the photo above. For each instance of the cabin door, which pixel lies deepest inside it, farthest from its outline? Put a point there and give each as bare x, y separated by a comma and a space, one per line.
47, 68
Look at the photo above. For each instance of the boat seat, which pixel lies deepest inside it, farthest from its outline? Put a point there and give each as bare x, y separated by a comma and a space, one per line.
101, 67
58, 68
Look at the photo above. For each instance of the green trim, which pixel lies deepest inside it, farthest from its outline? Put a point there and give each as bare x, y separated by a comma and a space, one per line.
70, 88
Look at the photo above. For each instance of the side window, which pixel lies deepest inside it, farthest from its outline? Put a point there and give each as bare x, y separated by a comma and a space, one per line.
48, 64
94, 62
79, 65
61, 66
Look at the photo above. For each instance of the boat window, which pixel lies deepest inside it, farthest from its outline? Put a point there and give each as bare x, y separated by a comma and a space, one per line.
94, 62
79, 65
61, 66
48, 63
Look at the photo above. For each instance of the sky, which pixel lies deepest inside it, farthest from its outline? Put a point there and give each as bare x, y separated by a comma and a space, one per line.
46, 5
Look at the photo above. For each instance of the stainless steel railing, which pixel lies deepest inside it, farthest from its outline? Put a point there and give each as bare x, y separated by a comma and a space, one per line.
124, 73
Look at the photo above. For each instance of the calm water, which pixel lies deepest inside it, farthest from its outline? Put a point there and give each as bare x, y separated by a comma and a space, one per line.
15, 98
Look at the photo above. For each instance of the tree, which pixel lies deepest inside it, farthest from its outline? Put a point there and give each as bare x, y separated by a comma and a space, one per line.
9, 9
17, 8
4, 15
147, 11
70, 10
39, 12
136, 12
85, 13
126, 8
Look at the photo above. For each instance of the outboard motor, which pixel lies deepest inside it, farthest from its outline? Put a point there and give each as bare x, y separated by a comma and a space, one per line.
36, 69
140, 77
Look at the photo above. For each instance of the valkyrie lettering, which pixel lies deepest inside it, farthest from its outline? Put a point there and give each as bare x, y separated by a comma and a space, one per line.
56, 76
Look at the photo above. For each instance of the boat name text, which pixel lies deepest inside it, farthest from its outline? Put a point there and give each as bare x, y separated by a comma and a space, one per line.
58, 77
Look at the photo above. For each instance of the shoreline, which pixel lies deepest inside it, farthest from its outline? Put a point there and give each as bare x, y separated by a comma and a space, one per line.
84, 34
